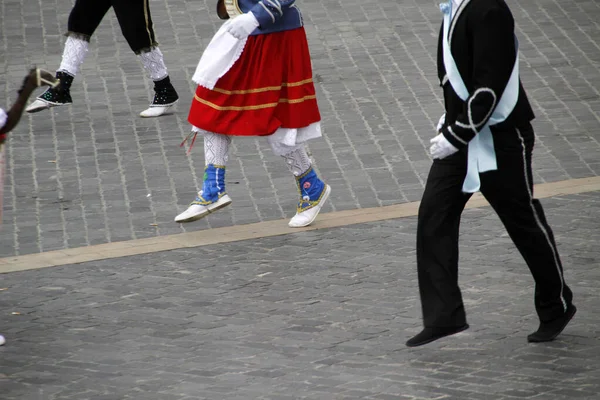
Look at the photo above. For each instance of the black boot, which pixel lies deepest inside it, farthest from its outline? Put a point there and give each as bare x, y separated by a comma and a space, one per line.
53, 97
165, 97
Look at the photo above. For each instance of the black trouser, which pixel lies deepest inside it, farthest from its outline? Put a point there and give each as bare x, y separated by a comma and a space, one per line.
509, 190
133, 16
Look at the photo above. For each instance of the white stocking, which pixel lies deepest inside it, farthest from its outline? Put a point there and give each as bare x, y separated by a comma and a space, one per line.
297, 160
73, 55
154, 64
216, 148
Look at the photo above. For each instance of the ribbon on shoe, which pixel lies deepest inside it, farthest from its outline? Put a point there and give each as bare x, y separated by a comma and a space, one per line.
481, 152
219, 56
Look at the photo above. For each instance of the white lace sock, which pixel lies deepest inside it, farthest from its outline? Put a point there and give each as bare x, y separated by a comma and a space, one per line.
154, 64
297, 160
73, 55
216, 148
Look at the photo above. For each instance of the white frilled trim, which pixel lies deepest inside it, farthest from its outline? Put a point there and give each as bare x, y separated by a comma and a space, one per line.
219, 56
285, 139
3, 117
73, 55
154, 64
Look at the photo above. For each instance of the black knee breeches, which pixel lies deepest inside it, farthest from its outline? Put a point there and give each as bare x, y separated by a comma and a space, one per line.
133, 16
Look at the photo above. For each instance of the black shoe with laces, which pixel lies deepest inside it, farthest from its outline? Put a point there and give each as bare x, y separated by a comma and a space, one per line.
54, 96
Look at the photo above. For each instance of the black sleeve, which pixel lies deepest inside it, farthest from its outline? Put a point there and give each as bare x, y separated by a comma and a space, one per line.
493, 59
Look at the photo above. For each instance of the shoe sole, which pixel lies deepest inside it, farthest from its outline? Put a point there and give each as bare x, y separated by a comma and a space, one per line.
223, 202
551, 338
38, 109
168, 107
323, 200
46, 106
459, 330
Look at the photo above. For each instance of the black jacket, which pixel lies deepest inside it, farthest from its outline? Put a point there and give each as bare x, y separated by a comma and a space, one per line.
482, 41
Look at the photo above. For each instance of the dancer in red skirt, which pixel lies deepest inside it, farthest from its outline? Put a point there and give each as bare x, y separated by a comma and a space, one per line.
255, 79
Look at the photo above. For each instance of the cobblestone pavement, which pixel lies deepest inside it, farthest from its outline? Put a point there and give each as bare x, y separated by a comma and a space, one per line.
95, 172
312, 315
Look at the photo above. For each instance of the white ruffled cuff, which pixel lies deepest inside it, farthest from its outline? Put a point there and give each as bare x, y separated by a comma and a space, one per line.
218, 57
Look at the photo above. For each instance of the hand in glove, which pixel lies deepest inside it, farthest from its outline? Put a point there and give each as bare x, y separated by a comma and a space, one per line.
241, 27
441, 147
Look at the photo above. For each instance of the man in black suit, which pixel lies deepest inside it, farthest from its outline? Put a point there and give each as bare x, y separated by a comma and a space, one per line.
484, 142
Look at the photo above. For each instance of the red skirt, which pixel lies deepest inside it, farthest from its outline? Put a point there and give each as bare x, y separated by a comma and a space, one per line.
269, 87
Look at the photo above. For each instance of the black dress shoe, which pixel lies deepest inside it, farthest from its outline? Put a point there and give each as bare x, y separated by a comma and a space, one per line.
428, 335
548, 331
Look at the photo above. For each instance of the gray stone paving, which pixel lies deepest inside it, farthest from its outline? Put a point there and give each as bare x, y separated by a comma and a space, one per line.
312, 315
95, 172
315, 315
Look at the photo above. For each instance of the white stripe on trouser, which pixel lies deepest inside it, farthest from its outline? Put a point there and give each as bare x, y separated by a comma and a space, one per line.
539, 222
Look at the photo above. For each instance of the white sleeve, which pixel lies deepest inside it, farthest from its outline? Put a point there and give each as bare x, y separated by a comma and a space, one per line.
3, 117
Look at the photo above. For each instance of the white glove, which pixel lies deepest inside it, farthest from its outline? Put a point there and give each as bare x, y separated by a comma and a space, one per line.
441, 122
241, 27
441, 147
3, 117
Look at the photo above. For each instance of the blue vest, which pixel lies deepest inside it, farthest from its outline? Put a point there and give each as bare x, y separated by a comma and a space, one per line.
481, 152
272, 15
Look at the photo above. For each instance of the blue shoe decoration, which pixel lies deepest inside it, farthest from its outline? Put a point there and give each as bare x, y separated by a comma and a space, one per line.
313, 193
211, 198
311, 189
213, 187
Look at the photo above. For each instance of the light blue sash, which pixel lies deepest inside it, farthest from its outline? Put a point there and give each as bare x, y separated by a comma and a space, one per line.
481, 153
